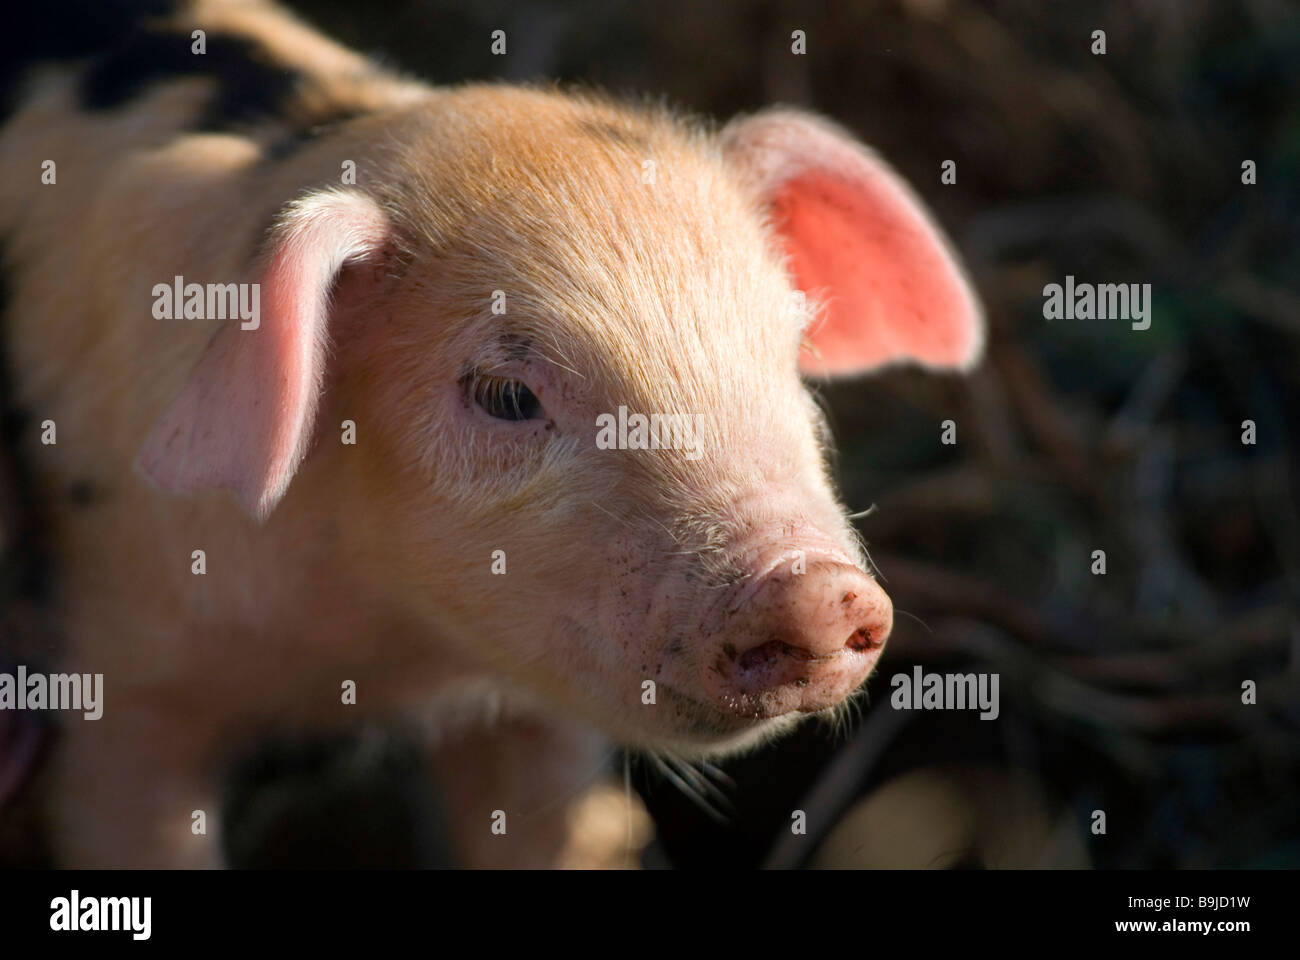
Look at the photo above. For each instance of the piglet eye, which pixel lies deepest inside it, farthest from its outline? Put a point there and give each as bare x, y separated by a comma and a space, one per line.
506, 399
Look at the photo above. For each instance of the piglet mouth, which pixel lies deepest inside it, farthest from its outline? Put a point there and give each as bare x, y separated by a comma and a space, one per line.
776, 652
778, 677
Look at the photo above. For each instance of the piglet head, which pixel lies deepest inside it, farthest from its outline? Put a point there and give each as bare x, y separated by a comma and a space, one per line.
590, 463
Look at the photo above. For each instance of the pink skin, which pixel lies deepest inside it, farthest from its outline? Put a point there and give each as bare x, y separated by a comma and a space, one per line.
736, 645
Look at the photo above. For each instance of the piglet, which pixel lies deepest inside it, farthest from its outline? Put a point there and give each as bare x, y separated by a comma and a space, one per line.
503, 423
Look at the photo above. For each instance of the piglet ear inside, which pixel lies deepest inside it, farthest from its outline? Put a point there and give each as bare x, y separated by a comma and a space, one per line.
860, 244
243, 419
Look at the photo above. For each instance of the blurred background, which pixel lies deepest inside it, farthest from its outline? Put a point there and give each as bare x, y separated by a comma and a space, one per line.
1119, 692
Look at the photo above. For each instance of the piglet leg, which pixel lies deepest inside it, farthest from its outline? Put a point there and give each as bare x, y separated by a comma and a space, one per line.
520, 774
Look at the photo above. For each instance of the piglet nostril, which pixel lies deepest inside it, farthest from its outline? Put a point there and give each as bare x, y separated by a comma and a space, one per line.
861, 640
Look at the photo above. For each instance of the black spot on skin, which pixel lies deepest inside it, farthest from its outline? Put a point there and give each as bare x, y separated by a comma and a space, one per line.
61, 30
130, 46
250, 84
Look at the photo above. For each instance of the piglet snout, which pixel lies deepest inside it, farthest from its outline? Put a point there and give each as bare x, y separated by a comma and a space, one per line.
801, 641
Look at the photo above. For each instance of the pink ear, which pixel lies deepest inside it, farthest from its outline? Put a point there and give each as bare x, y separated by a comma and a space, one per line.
858, 242
243, 419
